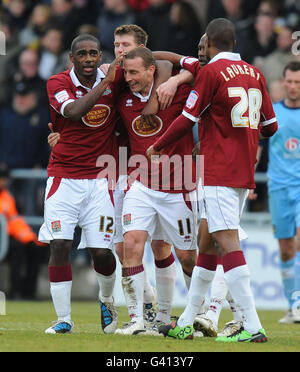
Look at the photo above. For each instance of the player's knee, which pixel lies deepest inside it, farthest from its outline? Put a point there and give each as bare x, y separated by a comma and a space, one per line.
287, 249
60, 252
160, 249
187, 259
133, 248
102, 257
119, 247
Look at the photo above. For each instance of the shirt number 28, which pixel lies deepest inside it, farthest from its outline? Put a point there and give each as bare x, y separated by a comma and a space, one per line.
250, 101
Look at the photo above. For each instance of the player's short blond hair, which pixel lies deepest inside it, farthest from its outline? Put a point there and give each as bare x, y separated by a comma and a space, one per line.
140, 36
144, 53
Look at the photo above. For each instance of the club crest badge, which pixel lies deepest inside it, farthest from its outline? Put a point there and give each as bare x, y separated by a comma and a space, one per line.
143, 129
56, 226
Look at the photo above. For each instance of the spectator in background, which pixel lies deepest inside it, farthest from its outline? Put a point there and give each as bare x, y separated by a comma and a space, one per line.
273, 64
24, 130
185, 29
263, 42
66, 17
277, 91
114, 13
292, 13
23, 140
53, 56
12, 49
19, 12
234, 11
36, 26
27, 72
156, 22
89, 10
24, 254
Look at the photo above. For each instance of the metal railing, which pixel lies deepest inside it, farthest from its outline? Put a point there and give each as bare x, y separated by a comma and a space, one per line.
251, 217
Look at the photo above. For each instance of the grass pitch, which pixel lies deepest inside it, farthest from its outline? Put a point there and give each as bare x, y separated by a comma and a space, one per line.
22, 330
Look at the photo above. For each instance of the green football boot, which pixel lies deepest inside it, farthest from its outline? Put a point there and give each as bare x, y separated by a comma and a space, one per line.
174, 331
244, 336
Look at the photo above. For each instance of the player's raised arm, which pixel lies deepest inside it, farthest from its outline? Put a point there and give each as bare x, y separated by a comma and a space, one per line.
77, 109
168, 56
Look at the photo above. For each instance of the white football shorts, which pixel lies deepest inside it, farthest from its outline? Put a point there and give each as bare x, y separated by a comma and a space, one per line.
86, 203
224, 207
150, 210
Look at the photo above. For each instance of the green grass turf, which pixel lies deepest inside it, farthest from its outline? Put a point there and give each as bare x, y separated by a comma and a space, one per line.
22, 330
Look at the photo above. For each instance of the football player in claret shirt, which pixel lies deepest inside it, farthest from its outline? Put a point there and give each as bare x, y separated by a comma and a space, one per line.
82, 105
231, 98
156, 198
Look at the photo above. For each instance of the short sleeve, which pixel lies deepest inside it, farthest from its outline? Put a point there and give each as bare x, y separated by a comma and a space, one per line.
59, 94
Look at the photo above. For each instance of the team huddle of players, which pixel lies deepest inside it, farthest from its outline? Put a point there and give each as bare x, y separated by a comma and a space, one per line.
152, 106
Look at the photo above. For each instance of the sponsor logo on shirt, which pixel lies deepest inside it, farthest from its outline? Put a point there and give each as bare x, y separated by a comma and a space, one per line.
97, 116
56, 226
61, 96
192, 99
292, 144
141, 128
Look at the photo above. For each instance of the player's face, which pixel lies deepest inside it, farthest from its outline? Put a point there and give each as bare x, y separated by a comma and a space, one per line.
124, 44
86, 59
137, 76
292, 85
201, 52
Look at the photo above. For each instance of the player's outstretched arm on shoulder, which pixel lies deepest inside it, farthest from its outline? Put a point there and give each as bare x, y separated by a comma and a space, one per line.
168, 56
75, 110
162, 74
166, 91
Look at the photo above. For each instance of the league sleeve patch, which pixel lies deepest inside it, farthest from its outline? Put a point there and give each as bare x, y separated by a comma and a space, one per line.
190, 60
192, 99
62, 96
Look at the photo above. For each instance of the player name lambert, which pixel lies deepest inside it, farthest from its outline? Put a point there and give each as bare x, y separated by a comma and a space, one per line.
235, 70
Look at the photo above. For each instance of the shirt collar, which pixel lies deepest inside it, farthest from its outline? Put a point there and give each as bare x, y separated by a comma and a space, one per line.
226, 55
77, 83
144, 98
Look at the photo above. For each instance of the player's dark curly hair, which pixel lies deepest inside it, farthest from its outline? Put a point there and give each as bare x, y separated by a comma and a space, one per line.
221, 32
84, 37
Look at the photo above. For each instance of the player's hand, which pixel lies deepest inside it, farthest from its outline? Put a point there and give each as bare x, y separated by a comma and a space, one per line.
165, 93
151, 152
196, 150
104, 68
111, 73
252, 195
53, 137
149, 112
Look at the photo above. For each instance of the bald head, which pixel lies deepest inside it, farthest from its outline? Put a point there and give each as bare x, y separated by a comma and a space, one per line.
220, 34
